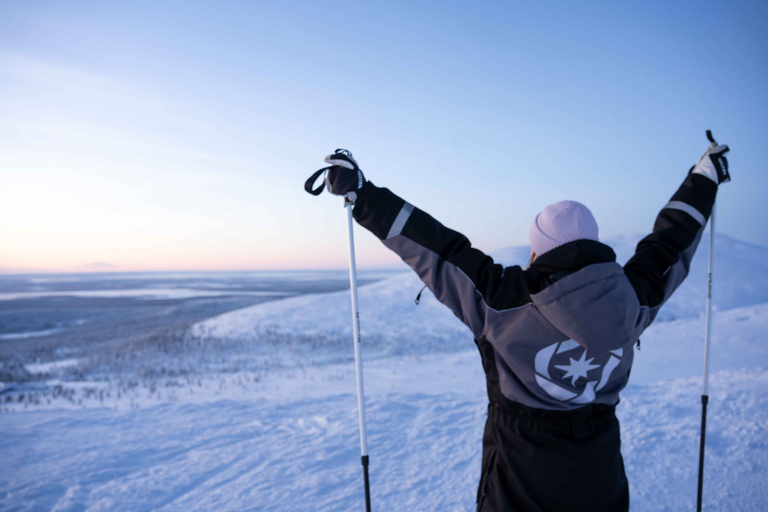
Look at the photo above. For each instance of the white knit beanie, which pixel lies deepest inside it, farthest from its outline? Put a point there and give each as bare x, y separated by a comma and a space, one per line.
561, 223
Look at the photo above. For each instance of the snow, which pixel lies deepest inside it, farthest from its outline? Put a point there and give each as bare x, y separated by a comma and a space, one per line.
268, 421
660, 438
28, 334
49, 367
293, 445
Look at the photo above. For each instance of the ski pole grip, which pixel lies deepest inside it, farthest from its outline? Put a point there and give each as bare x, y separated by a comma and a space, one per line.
311, 182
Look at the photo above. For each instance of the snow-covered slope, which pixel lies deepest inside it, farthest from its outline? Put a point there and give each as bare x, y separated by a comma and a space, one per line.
231, 436
316, 327
290, 443
392, 324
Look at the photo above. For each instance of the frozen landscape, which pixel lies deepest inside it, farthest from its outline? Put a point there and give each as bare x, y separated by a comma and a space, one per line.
255, 408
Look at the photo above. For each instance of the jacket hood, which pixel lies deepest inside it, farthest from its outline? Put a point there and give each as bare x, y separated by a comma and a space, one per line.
589, 305
566, 259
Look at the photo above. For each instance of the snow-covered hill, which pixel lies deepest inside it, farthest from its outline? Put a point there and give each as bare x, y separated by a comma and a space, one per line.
290, 442
268, 420
317, 328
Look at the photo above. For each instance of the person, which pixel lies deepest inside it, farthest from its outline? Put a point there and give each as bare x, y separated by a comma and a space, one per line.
556, 338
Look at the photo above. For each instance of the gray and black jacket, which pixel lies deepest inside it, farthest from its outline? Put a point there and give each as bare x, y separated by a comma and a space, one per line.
560, 334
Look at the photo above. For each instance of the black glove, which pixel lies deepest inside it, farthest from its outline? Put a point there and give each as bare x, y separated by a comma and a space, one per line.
713, 164
345, 178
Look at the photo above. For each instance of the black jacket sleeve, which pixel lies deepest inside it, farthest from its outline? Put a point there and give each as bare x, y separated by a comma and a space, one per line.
663, 258
460, 276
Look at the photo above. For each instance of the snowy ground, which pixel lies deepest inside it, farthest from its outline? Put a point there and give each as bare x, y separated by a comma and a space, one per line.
268, 420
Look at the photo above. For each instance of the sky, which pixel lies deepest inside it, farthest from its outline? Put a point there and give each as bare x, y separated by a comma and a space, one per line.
147, 135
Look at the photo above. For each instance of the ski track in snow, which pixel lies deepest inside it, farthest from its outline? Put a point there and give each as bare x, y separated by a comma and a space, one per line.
278, 430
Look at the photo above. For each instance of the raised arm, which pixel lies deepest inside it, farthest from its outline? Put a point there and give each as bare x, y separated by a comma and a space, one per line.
460, 276
663, 258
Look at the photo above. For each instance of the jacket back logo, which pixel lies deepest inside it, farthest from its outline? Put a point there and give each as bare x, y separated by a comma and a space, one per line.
565, 371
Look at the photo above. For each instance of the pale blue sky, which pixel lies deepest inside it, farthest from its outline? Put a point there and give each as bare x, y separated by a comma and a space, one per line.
177, 135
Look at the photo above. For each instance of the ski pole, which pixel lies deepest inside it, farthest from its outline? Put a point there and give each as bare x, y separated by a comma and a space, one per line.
707, 333
358, 358
355, 332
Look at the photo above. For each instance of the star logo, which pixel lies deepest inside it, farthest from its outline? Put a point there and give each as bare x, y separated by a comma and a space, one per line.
545, 362
577, 369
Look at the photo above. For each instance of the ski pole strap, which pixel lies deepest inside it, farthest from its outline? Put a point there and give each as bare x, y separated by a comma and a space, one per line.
312, 179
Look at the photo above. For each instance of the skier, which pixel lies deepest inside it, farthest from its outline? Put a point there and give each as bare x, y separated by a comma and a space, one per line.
556, 338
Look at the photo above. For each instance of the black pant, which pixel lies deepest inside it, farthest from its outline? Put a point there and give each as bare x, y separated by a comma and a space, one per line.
536, 460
